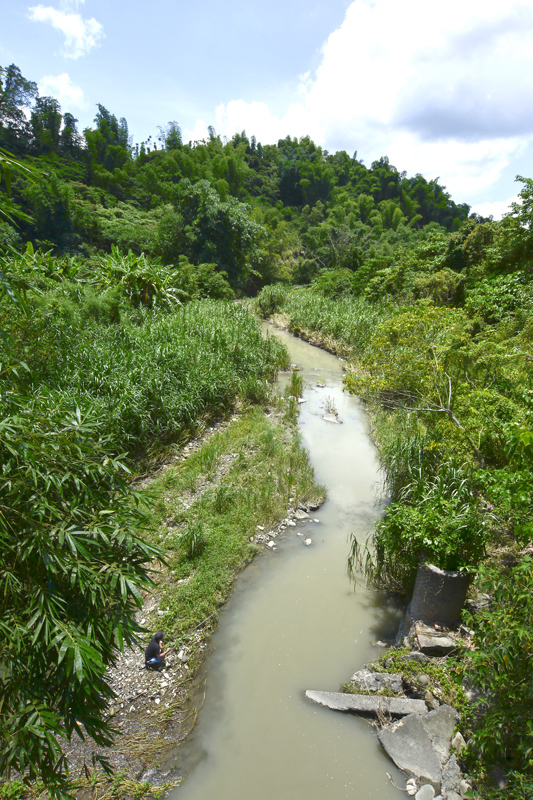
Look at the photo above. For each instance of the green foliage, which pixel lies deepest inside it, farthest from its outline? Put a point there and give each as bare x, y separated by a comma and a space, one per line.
271, 299
145, 282
203, 280
73, 566
208, 230
436, 520
192, 540
295, 386
334, 283
502, 661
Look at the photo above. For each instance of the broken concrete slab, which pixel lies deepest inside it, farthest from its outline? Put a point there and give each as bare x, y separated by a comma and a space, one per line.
367, 704
409, 745
374, 681
419, 744
440, 725
451, 777
432, 644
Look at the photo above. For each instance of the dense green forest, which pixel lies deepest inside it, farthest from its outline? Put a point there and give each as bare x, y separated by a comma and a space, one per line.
118, 265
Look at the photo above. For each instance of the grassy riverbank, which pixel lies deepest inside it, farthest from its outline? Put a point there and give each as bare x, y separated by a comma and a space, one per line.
446, 387
99, 383
211, 507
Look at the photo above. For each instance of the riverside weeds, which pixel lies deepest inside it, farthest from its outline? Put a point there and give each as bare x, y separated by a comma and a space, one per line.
247, 474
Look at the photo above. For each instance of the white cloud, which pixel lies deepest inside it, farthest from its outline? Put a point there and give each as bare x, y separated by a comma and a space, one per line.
496, 209
440, 87
63, 89
81, 35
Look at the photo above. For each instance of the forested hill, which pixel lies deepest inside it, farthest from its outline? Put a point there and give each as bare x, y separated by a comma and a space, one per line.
260, 213
102, 247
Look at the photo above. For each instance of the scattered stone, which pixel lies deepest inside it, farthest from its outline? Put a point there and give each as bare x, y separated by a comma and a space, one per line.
426, 792
374, 681
458, 742
419, 744
367, 704
330, 418
481, 603
411, 787
423, 680
260, 527
431, 701
499, 777
271, 543
299, 514
451, 777
416, 655
308, 542
431, 644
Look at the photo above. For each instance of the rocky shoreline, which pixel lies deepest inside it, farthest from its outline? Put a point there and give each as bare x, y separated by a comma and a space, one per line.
154, 712
413, 712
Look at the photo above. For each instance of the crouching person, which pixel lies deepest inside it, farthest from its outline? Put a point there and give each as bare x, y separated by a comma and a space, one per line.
154, 655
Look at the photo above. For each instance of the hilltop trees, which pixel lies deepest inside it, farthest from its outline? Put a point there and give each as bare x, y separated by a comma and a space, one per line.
207, 229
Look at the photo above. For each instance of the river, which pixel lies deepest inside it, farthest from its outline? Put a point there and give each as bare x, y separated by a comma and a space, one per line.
294, 622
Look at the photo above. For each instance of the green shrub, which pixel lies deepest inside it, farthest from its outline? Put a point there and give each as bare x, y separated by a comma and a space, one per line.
271, 299
501, 662
334, 282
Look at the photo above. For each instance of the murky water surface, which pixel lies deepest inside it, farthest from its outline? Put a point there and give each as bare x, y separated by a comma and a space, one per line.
294, 623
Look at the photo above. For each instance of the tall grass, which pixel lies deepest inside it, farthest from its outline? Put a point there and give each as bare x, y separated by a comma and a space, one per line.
152, 377
350, 321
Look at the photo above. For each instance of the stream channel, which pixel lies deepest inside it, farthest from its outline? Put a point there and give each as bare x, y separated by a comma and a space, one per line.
294, 622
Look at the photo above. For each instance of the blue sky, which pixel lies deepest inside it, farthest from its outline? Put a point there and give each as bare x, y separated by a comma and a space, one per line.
441, 87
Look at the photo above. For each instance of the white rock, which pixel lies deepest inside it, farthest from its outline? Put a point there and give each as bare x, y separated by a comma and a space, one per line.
260, 527
308, 542
157, 701
271, 543
411, 787
316, 520
161, 613
426, 792
458, 742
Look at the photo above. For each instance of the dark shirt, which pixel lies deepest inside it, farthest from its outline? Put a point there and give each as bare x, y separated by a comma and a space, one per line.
152, 651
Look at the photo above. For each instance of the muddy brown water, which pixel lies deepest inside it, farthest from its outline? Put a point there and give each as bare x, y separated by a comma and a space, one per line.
294, 622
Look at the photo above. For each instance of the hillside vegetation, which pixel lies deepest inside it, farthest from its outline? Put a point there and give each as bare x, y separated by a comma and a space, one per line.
119, 263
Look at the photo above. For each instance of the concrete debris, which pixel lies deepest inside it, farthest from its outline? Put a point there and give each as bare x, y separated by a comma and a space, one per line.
375, 681
366, 704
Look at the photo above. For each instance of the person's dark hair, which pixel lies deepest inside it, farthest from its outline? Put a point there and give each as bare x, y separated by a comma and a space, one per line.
159, 636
